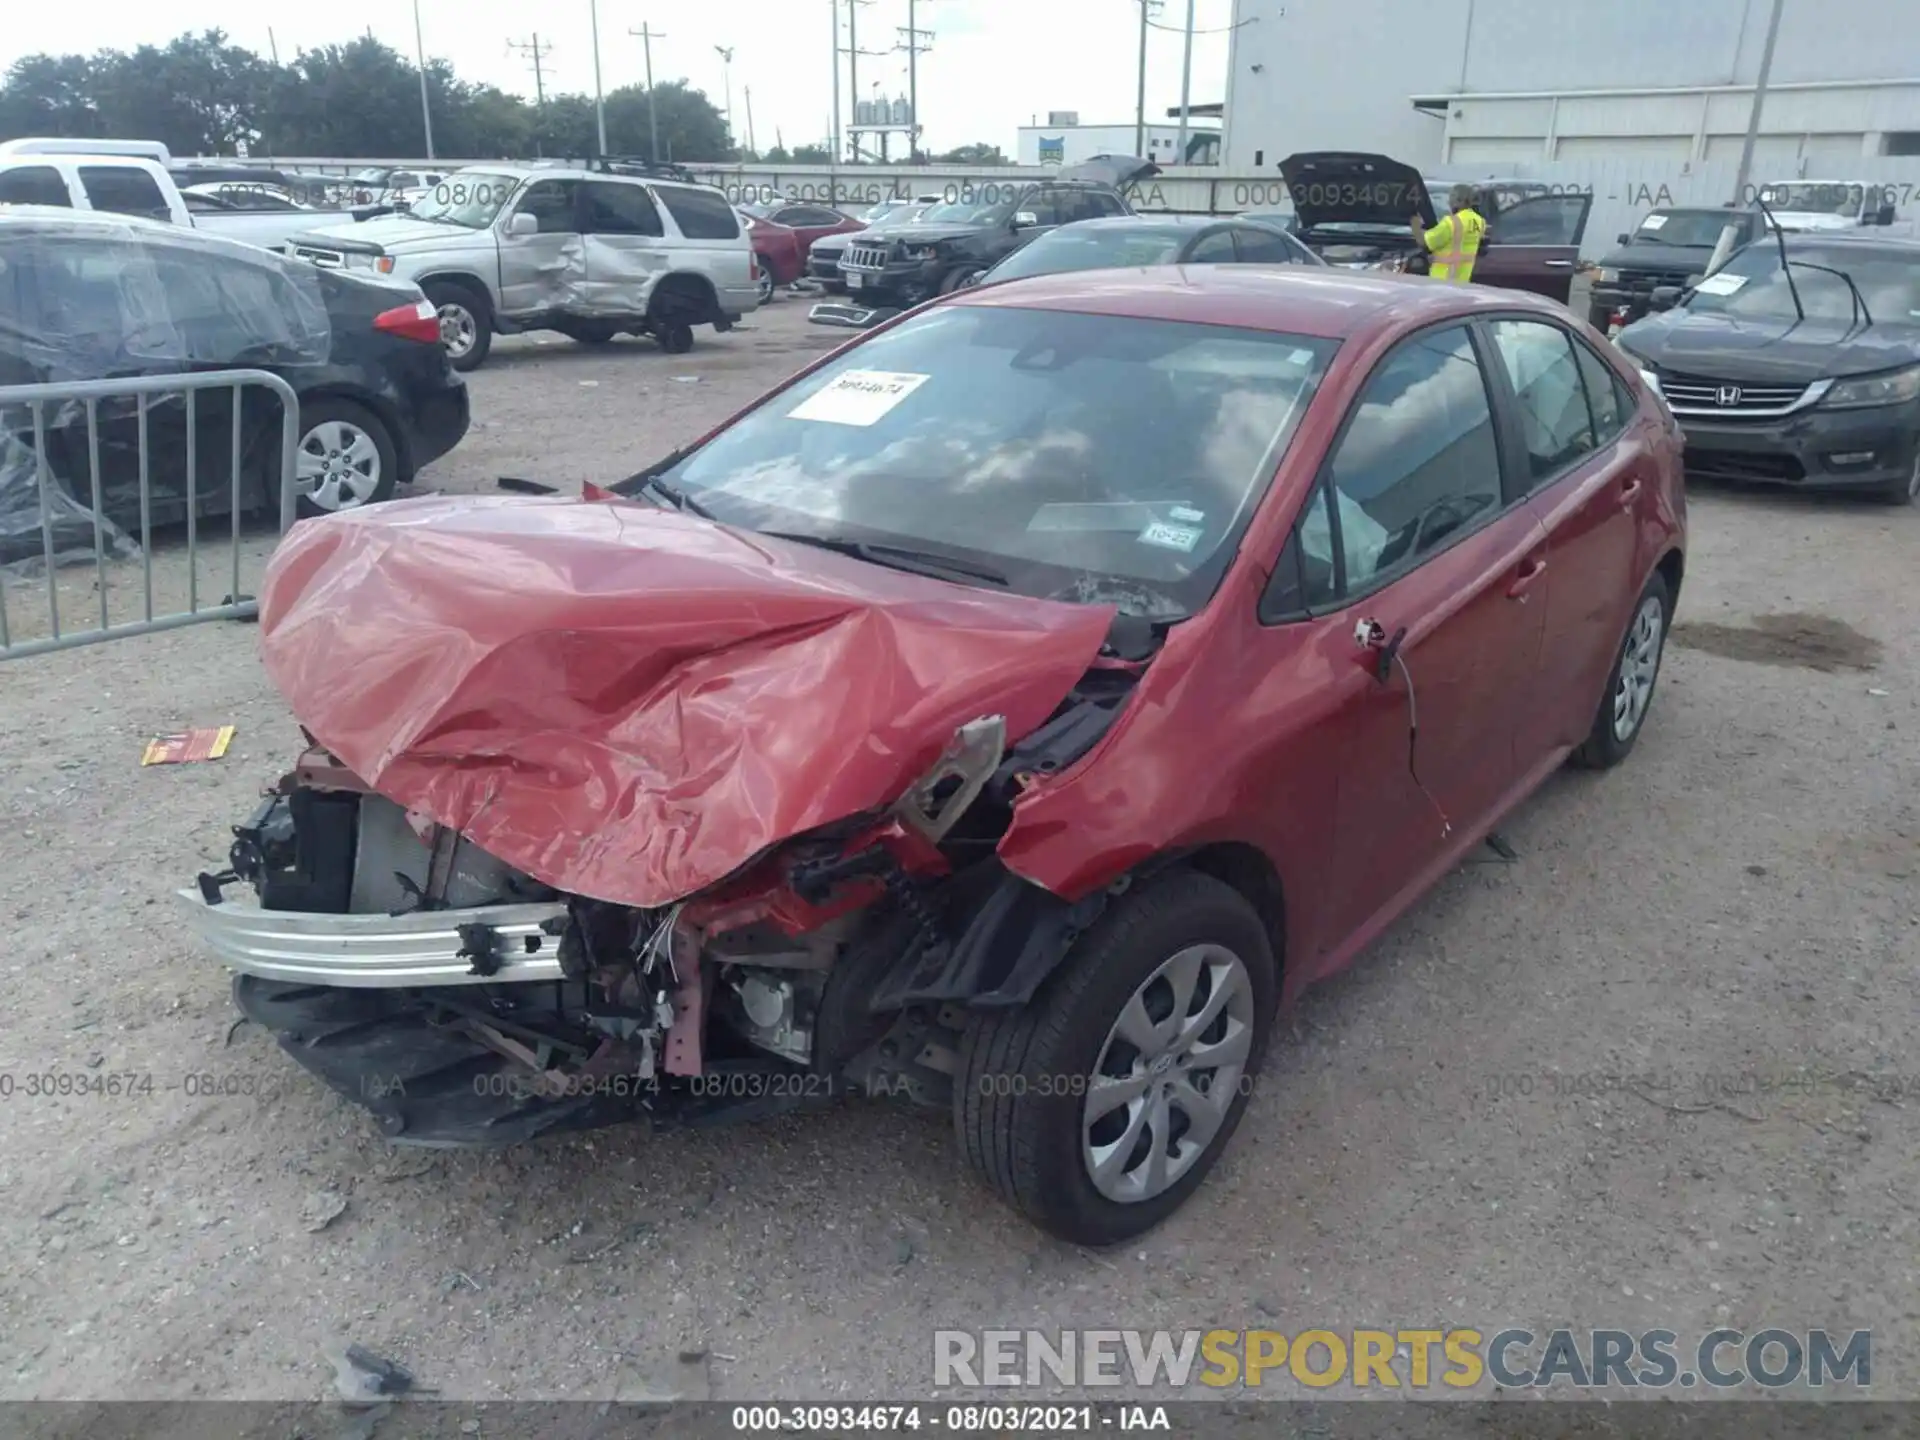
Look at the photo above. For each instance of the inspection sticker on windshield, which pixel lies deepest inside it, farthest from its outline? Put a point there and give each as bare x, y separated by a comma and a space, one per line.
1187, 514
859, 397
1171, 537
1721, 284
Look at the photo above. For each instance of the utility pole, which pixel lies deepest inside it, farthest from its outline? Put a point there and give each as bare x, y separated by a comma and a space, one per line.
747, 90
420, 49
853, 65
1730, 234
916, 41
1140, 103
726, 64
539, 53
1186, 90
647, 36
273, 46
833, 130
599, 99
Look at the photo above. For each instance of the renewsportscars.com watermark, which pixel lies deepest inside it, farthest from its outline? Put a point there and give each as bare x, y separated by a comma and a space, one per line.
1456, 1359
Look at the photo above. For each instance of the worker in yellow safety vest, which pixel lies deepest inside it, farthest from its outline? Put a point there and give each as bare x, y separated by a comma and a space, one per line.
1455, 241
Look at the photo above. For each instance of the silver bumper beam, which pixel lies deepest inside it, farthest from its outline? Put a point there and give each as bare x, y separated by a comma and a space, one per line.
377, 951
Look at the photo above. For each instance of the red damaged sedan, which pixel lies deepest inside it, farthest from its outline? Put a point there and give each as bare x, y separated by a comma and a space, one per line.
1006, 715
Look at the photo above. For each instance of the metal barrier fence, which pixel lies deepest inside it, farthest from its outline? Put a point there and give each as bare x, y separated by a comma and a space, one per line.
89, 393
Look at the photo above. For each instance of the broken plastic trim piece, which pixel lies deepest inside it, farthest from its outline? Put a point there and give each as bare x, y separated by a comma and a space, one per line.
968, 762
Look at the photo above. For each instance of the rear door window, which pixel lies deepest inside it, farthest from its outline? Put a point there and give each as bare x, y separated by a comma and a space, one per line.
123, 190
1263, 247
620, 210
1607, 394
1549, 395
701, 214
1214, 249
34, 185
1541, 220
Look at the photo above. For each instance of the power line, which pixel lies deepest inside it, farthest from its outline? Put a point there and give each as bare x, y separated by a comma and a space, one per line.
539, 52
1217, 30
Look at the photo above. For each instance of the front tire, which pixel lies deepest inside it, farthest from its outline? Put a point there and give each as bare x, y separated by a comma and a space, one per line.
1099, 1107
466, 323
958, 278
1907, 491
1630, 685
674, 336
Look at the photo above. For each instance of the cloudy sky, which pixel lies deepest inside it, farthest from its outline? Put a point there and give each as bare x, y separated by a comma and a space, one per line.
994, 64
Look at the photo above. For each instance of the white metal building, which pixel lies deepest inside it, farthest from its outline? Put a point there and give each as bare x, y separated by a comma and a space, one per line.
1070, 144
1491, 83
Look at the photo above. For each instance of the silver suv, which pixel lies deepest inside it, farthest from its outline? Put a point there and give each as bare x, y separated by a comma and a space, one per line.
589, 251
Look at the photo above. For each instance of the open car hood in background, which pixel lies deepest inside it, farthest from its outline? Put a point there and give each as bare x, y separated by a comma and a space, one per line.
1346, 187
629, 703
1119, 171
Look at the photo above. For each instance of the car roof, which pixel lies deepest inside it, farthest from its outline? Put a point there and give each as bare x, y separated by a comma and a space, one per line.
1902, 245
1327, 303
1152, 222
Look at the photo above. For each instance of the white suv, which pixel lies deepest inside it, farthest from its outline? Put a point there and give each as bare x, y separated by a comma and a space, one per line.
590, 251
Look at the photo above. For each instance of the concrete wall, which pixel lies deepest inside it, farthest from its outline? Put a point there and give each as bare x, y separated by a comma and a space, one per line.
1341, 74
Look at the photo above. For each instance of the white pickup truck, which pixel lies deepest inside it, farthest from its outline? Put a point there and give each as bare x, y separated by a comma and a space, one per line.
129, 177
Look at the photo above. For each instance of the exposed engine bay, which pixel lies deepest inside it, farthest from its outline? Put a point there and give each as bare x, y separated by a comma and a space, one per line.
464, 1002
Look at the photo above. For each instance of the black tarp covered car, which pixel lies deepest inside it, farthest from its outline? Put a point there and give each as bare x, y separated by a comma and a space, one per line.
100, 297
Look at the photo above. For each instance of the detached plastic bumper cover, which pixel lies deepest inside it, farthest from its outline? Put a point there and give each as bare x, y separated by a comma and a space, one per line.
425, 948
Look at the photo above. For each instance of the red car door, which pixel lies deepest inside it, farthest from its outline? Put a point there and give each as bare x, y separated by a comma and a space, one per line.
1535, 245
1427, 547
1590, 475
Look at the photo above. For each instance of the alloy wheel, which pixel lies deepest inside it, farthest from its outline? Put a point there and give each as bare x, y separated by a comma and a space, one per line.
458, 329
1639, 667
338, 465
1168, 1073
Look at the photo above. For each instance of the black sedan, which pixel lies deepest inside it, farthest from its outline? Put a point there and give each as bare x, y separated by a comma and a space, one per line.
1120, 242
95, 297
1796, 363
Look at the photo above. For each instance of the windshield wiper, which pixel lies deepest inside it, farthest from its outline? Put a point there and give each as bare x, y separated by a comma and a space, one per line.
896, 557
675, 496
1859, 300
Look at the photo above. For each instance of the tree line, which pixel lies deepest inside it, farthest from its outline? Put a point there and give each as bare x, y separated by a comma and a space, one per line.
202, 95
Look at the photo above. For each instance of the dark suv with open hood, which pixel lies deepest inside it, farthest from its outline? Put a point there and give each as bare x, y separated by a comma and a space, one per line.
1352, 209
952, 245
1796, 363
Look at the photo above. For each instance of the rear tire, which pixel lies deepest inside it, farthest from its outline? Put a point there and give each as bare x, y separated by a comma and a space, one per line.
331, 460
466, 323
1024, 1086
674, 336
766, 282
1630, 685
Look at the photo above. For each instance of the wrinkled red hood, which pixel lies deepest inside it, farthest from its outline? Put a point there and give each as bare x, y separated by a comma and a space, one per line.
630, 703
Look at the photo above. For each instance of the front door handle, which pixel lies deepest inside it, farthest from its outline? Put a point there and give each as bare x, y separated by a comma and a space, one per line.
1630, 491
1522, 582
1558, 264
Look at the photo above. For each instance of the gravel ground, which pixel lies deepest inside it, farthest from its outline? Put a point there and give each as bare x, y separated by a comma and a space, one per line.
1441, 1138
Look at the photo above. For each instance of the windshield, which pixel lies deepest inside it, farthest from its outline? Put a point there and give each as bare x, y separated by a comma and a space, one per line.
370, 177
963, 212
470, 198
1093, 248
1816, 197
1752, 285
1685, 227
1096, 458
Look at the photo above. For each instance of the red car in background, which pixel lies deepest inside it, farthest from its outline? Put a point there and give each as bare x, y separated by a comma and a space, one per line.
783, 233
1007, 713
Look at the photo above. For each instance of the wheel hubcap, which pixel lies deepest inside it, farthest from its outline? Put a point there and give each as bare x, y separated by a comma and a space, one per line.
458, 329
339, 465
1168, 1073
1639, 666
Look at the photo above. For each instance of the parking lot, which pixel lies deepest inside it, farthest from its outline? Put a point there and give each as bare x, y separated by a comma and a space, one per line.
1655, 1071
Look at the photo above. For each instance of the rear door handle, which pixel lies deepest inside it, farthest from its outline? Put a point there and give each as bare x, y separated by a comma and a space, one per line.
1558, 264
1522, 582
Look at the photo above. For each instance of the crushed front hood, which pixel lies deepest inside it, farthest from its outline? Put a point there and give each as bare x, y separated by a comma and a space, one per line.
629, 703
1119, 171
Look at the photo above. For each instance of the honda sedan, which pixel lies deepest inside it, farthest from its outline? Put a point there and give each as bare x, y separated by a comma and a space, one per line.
1008, 714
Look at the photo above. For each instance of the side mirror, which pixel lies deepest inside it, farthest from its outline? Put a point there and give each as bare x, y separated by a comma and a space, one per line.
1024, 218
1625, 238
523, 224
1665, 297
1884, 215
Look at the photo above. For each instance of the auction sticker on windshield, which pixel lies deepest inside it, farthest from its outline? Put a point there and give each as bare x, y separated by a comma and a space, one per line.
1653, 222
859, 397
1721, 284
